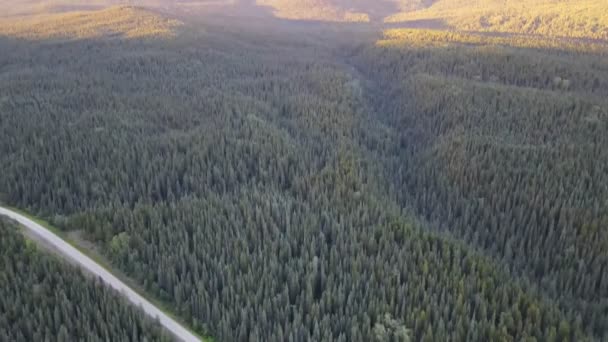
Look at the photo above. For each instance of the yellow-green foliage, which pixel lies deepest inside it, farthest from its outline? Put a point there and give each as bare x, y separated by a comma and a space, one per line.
564, 18
555, 18
122, 21
424, 38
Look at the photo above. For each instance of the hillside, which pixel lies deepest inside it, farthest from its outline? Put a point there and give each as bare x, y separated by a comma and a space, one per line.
118, 21
414, 37
563, 18
553, 18
10, 8
341, 10
313, 10
500, 142
556, 18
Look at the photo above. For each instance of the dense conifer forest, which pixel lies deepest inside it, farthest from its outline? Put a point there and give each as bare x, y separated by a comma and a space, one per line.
508, 157
43, 299
419, 186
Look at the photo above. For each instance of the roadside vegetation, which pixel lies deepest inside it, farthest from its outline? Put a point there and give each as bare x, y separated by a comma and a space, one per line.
42, 298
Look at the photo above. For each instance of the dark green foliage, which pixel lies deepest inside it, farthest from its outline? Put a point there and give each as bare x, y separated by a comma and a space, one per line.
271, 192
494, 149
42, 299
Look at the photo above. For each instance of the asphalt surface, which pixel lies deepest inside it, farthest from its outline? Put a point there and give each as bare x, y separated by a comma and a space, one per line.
69, 252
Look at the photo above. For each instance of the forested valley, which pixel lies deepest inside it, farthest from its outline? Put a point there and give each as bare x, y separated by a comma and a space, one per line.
316, 185
43, 299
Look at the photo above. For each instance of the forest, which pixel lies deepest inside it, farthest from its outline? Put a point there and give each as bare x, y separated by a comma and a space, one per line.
411, 186
44, 299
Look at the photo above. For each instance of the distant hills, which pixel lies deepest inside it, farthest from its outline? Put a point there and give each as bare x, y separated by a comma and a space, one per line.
118, 21
10, 8
554, 18
562, 18
559, 18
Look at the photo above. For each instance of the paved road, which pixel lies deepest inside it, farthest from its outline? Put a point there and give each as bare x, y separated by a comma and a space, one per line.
87, 263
